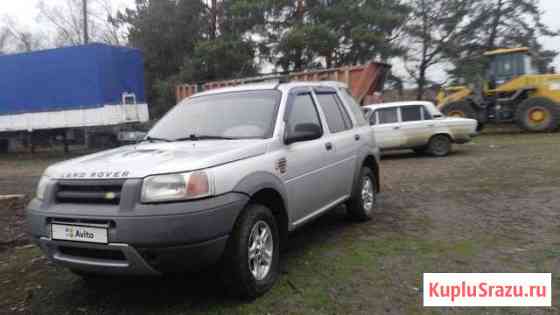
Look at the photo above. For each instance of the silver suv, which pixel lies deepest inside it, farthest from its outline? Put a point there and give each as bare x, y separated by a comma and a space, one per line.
223, 177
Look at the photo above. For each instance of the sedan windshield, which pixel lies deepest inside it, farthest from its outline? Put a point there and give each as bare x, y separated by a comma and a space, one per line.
240, 115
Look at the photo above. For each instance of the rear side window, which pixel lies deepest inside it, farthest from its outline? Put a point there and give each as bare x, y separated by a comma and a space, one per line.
337, 117
303, 111
353, 106
373, 118
387, 115
411, 113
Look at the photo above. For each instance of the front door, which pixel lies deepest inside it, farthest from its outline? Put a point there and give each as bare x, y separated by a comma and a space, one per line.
306, 180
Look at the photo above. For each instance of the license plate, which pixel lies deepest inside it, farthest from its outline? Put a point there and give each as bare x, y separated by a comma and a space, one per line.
79, 233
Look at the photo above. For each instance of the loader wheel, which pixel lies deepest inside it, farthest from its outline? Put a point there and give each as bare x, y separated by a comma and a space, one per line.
537, 114
462, 109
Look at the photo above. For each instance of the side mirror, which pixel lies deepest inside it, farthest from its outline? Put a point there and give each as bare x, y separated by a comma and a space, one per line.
303, 132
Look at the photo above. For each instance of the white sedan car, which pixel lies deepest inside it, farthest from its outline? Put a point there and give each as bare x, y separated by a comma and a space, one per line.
417, 125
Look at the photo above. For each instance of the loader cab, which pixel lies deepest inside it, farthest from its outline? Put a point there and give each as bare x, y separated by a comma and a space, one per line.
507, 64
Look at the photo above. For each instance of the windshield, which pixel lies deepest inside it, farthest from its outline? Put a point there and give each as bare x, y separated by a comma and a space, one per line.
240, 115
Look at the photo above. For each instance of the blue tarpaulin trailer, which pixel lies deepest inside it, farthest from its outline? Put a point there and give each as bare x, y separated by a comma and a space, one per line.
80, 86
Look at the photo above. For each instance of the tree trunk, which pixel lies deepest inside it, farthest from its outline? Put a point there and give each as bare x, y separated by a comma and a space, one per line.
421, 81
329, 60
491, 43
213, 19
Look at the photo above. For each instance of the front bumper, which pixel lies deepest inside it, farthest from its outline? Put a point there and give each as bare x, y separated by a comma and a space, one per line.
182, 236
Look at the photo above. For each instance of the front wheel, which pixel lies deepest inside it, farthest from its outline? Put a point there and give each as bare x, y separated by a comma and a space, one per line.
252, 253
538, 114
439, 145
363, 201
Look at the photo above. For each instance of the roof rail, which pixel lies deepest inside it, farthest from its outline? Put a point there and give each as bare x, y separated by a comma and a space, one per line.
363, 80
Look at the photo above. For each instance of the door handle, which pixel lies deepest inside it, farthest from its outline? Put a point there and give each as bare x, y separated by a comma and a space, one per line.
328, 146
431, 125
357, 137
396, 127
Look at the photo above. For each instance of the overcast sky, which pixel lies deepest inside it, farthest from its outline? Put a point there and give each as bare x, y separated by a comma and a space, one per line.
25, 13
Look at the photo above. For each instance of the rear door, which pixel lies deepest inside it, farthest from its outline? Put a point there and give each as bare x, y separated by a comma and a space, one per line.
386, 126
415, 130
343, 139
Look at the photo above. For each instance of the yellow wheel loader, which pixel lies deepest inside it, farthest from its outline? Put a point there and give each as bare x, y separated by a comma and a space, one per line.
513, 91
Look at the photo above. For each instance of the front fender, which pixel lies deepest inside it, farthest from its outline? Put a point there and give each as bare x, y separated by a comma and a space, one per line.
255, 182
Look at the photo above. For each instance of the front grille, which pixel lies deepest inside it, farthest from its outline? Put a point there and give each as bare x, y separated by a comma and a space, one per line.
105, 254
93, 192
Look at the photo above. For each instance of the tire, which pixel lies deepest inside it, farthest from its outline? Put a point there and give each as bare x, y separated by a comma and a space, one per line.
363, 201
537, 114
238, 267
463, 109
460, 109
439, 145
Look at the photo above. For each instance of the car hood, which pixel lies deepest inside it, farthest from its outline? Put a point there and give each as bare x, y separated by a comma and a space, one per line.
136, 161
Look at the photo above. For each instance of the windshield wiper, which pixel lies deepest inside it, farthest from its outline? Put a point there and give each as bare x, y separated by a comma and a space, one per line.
194, 137
152, 139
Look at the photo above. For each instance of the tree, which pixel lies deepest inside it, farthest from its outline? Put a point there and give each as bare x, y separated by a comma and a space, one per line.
4, 38
15, 38
432, 28
495, 24
67, 21
320, 33
226, 48
166, 31
221, 58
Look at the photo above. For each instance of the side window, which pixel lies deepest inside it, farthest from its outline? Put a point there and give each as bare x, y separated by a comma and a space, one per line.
387, 115
354, 106
411, 113
426, 114
337, 117
344, 111
303, 111
373, 118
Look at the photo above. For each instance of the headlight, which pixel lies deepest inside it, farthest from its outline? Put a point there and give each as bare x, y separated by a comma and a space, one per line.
174, 187
42, 186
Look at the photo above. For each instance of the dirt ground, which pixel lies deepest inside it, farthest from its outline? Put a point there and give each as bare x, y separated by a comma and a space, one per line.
491, 206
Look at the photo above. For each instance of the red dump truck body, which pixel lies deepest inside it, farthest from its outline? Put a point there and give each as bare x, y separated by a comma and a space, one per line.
365, 81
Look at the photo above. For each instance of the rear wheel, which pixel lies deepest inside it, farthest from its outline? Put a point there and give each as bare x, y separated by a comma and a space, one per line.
252, 254
537, 114
439, 145
363, 201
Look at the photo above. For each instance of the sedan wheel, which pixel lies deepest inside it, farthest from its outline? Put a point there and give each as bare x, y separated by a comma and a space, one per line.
440, 145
